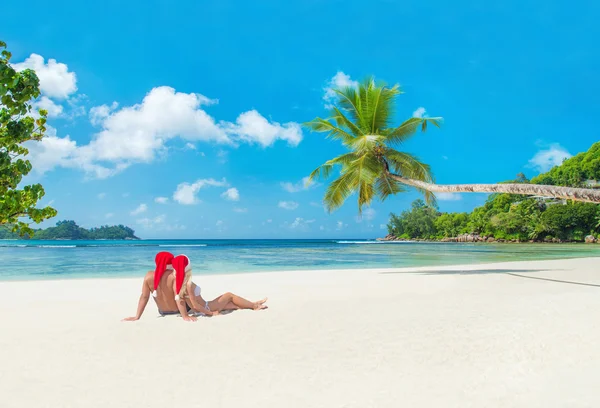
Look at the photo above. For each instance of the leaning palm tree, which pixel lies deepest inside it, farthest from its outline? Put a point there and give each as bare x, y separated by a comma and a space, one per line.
361, 120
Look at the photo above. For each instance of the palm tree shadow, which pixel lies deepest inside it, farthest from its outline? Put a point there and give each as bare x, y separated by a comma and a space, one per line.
467, 272
512, 272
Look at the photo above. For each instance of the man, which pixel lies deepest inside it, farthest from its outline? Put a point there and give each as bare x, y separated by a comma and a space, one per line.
161, 283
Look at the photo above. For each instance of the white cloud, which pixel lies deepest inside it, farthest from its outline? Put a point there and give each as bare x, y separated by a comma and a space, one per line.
231, 194
186, 192
191, 146
140, 209
545, 159
321, 228
340, 225
288, 205
152, 222
109, 215
219, 223
240, 210
136, 133
54, 110
140, 132
382, 226
125, 195
339, 81
419, 113
301, 223
303, 184
448, 196
55, 79
50, 152
222, 156
269, 221
101, 196
99, 113
161, 200
368, 214
252, 127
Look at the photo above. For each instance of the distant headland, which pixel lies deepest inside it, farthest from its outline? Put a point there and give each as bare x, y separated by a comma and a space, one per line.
69, 230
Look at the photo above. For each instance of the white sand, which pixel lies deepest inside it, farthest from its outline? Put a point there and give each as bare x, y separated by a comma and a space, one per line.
415, 338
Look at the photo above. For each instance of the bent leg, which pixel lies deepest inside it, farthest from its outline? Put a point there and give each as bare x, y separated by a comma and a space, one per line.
229, 301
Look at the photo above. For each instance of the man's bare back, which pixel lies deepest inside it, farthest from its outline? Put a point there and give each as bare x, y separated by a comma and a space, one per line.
164, 299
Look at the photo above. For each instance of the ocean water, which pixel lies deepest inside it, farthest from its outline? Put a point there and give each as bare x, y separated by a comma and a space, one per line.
27, 260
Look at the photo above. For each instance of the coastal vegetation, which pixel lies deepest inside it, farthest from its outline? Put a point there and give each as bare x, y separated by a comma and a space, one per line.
511, 217
70, 230
19, 125
361, 119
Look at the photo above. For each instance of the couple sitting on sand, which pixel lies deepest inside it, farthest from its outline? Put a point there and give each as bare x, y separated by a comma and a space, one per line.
175, 293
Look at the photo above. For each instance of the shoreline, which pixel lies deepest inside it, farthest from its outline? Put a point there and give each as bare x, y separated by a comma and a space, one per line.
504, 334
405, 269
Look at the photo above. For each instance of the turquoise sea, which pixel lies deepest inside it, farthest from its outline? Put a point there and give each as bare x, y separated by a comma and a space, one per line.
26, 260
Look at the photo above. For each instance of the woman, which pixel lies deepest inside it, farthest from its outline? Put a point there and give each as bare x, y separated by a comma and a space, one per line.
188, 290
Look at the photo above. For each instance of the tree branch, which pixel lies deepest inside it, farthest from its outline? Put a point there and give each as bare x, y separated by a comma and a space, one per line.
577, 194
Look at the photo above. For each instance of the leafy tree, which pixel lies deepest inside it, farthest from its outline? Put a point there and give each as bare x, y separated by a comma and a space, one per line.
419, 222
511, 217
451, 224
362, 121
17, 126
70, 230
574, 171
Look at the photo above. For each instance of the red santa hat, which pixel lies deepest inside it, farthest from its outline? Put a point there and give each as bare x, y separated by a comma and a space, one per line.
163, 262
182, 266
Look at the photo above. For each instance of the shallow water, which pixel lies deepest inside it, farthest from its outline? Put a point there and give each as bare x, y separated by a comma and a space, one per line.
25, 260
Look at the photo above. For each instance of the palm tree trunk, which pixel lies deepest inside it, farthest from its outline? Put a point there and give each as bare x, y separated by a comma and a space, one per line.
577, 194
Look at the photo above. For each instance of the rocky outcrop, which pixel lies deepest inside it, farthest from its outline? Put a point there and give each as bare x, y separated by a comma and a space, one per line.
590, 239
388, 237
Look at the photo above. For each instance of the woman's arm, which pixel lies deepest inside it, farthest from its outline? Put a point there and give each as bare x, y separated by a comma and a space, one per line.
197, 302
182, 307
141, 303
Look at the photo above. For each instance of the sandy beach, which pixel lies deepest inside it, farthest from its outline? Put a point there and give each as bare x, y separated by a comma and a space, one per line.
521, 334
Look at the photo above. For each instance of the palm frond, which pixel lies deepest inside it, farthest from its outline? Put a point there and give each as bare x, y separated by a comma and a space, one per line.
334, 132
366, 143
409, 166
430, 198
409, 128
324, 170
379, 106
342, 120
337, 192
364, 172
349, 101
385, 186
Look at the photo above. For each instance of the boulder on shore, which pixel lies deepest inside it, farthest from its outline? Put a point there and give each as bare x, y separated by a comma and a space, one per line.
590, 239
388, 237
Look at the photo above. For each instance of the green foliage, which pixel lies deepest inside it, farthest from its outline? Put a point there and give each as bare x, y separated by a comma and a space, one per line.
362, 121
70, 230
514, 217
574, 172
571, 222
419, 222
17, 91
526, 220
451, 224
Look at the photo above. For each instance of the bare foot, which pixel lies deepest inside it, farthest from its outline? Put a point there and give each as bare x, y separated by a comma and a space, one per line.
260, 305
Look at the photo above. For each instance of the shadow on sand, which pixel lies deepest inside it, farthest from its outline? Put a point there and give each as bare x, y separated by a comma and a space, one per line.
512, 272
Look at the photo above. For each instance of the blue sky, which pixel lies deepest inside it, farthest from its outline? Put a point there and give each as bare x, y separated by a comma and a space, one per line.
182, 121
